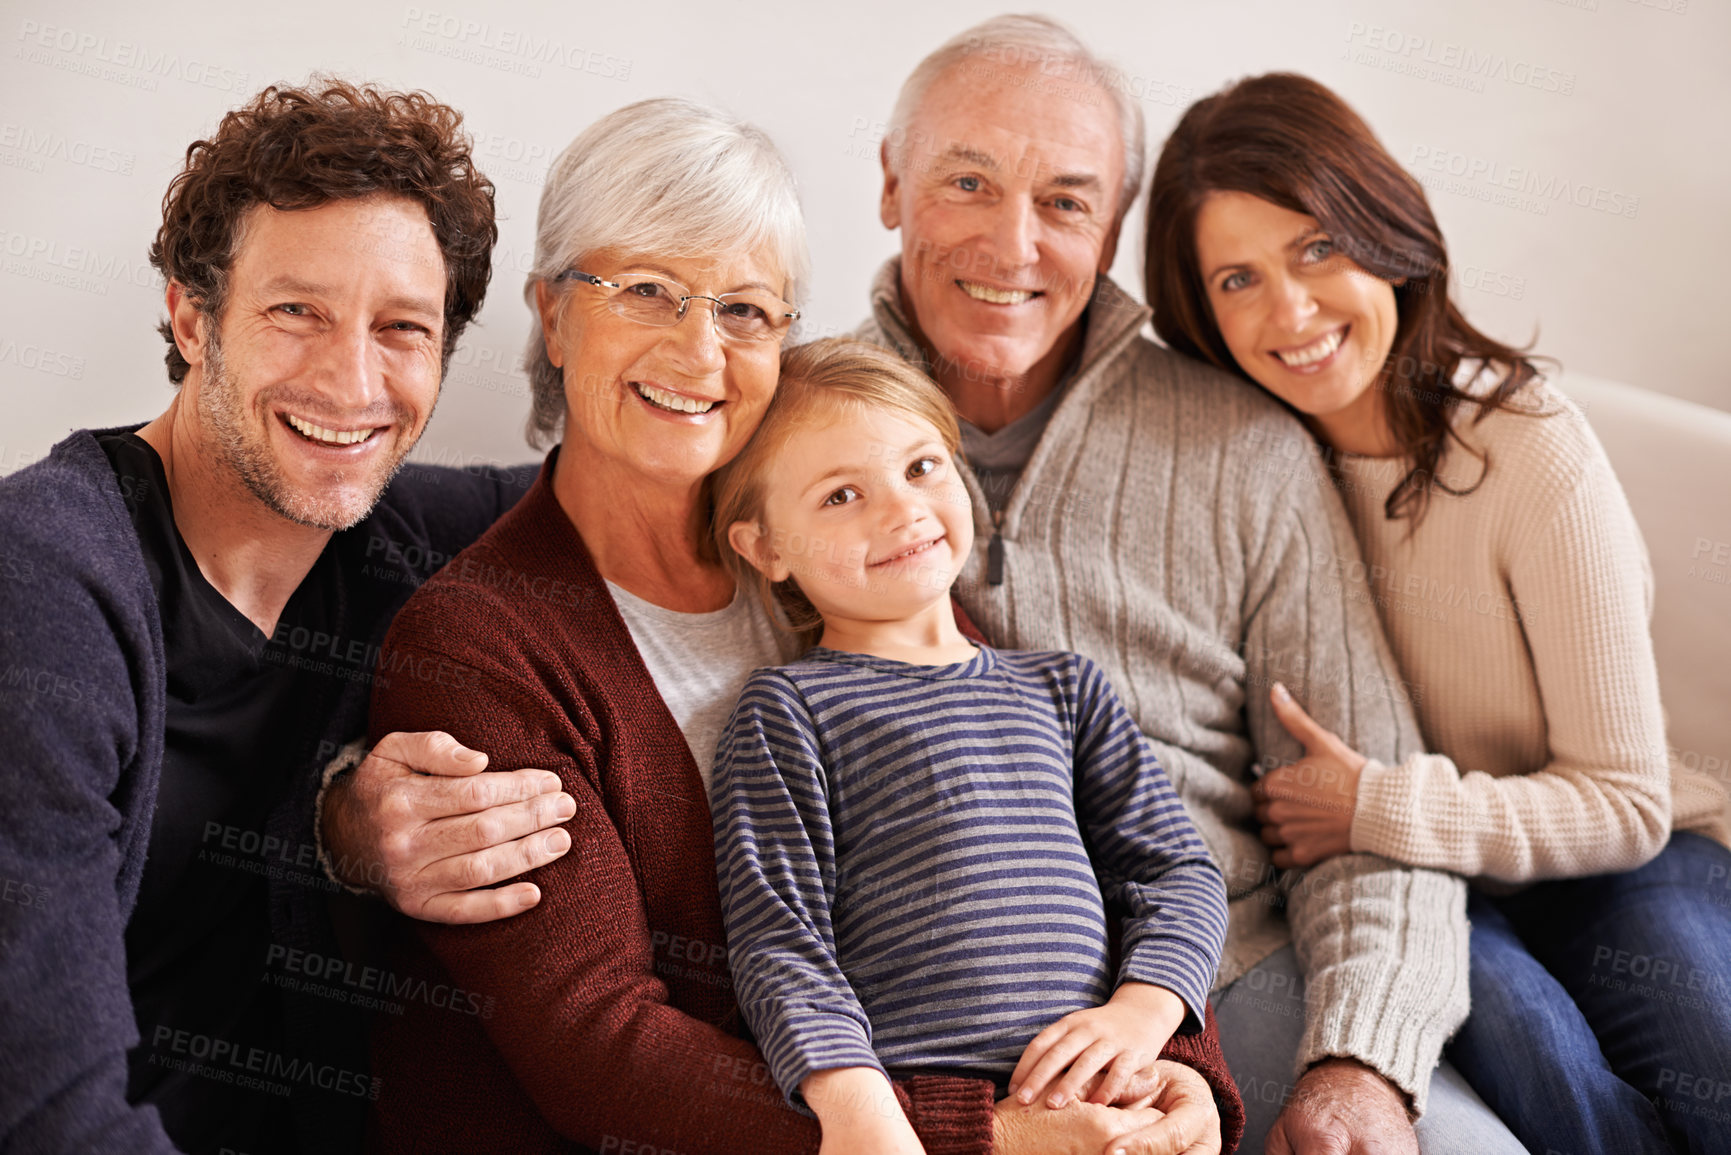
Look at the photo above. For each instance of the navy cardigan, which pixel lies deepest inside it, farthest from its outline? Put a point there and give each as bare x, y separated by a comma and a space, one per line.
82, 707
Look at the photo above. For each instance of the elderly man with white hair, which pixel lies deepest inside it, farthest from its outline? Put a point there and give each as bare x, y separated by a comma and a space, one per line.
1121, 512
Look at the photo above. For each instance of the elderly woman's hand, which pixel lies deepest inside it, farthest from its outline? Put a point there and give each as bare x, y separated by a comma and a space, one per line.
1190, 1119
1175, 1115
420, 823
1306, 808
1073, 1129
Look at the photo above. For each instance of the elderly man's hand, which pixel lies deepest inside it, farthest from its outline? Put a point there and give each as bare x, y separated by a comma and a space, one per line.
1342, 1107
420, 823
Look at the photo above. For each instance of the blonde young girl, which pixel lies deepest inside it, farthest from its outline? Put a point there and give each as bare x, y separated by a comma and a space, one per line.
919, 838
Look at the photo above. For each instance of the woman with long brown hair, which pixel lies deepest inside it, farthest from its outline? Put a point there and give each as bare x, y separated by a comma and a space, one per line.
1287, 246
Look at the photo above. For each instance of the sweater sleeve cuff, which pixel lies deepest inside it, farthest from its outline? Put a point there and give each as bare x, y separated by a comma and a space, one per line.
347, 759
1393, 1018
1383, 951
1182, 967
1201, 1052
1370, 833
1385, 814
1407, 1059
818, 1041
951, 1116
1396, 814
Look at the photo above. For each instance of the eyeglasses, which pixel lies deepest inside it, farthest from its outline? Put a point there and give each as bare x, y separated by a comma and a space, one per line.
749, 316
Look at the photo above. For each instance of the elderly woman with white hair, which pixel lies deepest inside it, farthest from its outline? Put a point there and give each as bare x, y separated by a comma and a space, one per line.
592, 633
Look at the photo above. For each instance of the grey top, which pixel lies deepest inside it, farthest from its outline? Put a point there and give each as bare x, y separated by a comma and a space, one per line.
999, 458
700, 662
1175, 525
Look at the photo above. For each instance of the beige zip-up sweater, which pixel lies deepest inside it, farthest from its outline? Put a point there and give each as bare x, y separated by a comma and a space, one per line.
1519, 611
1161, 530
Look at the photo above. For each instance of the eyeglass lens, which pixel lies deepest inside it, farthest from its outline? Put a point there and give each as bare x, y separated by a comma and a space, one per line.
652, 300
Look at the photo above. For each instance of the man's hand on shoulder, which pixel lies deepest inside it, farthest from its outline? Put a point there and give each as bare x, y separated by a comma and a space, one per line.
421, 825
1342, 1107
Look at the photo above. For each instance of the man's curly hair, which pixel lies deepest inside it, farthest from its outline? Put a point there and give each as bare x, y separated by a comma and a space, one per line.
299, 148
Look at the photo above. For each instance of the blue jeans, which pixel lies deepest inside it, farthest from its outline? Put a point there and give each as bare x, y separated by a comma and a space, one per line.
1261, 1020
1601, 1016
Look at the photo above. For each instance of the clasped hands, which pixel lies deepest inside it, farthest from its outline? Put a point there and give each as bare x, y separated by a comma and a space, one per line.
1107, 1055
1089, 1084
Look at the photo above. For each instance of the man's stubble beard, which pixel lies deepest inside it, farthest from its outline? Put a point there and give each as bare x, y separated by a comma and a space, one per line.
224, 414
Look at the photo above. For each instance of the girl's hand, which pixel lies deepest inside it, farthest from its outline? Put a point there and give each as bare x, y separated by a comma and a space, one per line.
1306, 808
1121, 1039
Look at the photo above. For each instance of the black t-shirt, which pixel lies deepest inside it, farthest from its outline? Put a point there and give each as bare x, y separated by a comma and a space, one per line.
240, 709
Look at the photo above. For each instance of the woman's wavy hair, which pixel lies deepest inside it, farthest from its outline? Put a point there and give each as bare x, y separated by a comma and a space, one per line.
299, 148
818, 379
1292, 142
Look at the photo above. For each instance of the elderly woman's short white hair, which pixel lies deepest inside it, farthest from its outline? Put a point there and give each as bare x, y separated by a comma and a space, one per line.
665, 177
1028, 41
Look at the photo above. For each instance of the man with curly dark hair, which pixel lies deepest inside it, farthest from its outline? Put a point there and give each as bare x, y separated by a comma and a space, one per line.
192, 613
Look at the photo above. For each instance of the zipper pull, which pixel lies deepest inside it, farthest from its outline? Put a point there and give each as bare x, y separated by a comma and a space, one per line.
995, 551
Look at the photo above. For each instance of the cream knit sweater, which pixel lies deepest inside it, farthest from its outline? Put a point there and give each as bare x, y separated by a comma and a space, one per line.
1519, 615
1163, 529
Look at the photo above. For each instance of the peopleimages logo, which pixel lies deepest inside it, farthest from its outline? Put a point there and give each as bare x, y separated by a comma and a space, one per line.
73, 266
34, 145
81, 51
1519, 186
503, 47
28, 355
1447, 61
212, 1057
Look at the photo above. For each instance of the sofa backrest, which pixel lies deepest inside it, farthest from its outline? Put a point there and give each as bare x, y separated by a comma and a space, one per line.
1674, 460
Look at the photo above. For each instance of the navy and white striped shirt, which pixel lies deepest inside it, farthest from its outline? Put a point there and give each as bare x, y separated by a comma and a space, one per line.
916, 862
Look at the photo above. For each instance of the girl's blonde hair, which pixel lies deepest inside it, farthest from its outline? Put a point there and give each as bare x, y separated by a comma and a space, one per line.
819, 379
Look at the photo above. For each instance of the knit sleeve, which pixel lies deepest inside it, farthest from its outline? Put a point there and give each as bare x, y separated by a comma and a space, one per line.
775, 860
1383, 947
71, 719
1151, 861
1602, 803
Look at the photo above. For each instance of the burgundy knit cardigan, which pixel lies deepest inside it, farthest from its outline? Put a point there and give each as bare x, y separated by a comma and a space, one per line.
604, 1018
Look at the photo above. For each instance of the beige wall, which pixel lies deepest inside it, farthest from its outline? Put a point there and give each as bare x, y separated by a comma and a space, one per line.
1577, 151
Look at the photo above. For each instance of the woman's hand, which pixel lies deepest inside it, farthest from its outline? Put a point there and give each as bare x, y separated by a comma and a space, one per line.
1306, 808
1078, 1129
1189, 1122
1120, 1038
1182, 1121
